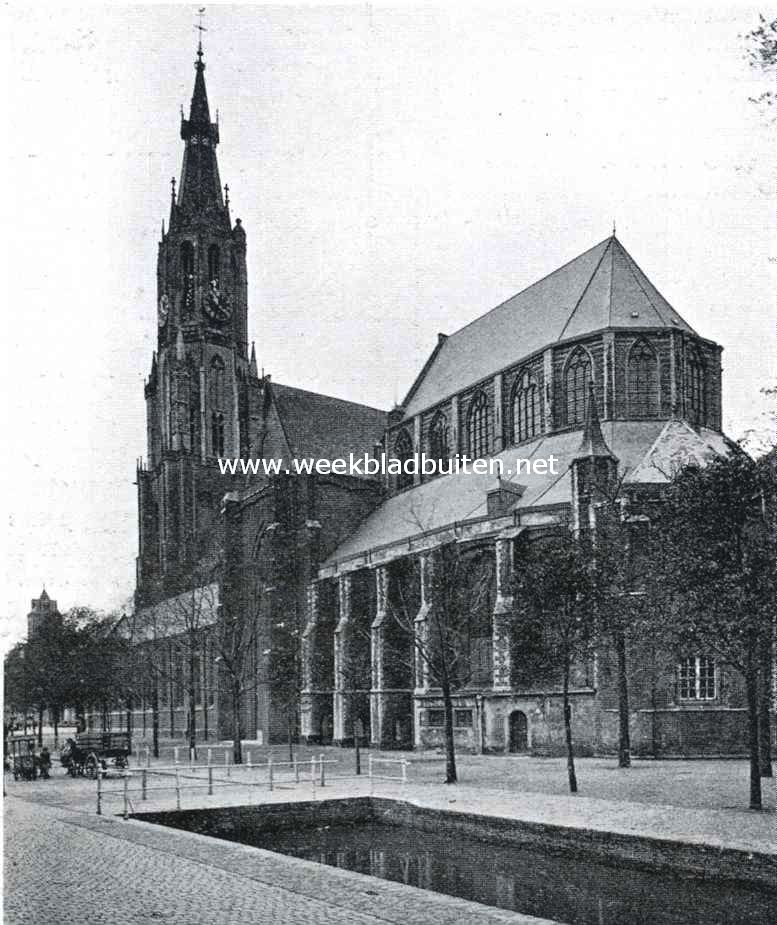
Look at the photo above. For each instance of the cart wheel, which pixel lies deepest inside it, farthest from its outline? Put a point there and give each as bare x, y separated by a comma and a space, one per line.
91, 766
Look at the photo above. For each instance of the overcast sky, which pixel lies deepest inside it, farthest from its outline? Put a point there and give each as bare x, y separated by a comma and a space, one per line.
398, 172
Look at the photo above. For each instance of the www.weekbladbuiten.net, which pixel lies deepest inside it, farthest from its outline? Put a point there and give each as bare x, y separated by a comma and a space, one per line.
367, 465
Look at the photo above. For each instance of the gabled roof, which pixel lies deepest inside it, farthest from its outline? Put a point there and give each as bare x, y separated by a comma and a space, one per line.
648, 452
322, 427
601, 288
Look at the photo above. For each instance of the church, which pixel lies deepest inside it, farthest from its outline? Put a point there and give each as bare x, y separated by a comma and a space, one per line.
590, 365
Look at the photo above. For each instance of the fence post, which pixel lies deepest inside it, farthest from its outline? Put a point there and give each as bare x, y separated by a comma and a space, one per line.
175, 755
404, 770
191, 757
177, 790
99, 795
143, 782
210, 781
296, 770
321, 769
313, 774
369, 771
226, 761
210, 756
126, 798
148, 757
269, 772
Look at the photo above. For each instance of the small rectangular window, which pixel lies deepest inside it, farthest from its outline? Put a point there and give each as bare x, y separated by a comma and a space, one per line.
435, 718
462, 718
697, 678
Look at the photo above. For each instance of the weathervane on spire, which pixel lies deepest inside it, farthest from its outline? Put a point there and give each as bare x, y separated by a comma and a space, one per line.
613, 227
200, 28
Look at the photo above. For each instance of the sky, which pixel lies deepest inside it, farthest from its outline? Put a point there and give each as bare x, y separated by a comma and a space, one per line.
399, 171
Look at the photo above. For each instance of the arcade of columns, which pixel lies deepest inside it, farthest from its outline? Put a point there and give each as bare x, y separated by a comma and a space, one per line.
320, 642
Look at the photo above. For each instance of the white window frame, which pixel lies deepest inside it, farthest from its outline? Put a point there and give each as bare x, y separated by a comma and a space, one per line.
694, 674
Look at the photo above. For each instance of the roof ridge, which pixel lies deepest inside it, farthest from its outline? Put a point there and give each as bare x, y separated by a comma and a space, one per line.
345, 401
527, 288
585, 288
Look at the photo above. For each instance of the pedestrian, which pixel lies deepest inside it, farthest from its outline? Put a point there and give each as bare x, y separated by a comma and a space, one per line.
45, 762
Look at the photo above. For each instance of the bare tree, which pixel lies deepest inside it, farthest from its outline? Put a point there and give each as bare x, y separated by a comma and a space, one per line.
458, 592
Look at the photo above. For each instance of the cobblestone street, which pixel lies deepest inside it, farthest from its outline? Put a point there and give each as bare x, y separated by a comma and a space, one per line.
62, 860
66, 865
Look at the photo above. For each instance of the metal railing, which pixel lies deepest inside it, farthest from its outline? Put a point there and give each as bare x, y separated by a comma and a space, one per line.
269, 775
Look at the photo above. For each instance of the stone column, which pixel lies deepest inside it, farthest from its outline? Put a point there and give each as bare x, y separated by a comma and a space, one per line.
377, 695
422, 625
342, 679
498, 425
547, 388
307, 720
502, 617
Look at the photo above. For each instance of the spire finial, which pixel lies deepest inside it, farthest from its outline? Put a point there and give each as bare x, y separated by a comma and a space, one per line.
613, 227
200, 28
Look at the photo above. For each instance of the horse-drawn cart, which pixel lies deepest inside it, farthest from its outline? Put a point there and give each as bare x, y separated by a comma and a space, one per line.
93, 753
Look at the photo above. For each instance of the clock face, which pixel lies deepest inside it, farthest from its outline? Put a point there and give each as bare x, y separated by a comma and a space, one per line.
164, 309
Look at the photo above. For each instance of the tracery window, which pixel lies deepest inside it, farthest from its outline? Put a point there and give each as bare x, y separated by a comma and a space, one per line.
187, 273
576, 379
214, 263
527, 410
696, 395
217, 383
479, 427
439, 448
697, 677
217, 433
642, 380
403, 451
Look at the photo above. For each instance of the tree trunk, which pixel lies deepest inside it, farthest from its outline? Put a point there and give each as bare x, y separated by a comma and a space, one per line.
765, 709
40, 726
192, 702
450, 748
56, 727
155, 717
624, 737
568, 730
290, 732
751, 683
237, 731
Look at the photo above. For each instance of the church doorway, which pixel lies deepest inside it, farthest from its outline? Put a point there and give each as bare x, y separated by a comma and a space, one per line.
519, 732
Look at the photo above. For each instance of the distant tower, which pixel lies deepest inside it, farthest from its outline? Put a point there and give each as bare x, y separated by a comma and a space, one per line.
42, 611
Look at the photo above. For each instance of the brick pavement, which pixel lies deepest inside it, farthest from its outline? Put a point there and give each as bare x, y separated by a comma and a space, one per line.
63, 864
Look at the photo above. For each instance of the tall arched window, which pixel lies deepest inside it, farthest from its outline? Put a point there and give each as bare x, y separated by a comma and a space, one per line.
439, 448
479, 426
217, 433
527, 410
642, 380
214, 263
403, 451
217, 383
576, 379
695, 388
187, 273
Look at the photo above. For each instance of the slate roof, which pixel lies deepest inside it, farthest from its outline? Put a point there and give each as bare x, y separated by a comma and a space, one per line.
644, 450
322, 427
601, 288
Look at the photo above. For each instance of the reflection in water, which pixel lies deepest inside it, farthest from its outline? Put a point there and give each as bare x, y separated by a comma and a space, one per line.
571, 890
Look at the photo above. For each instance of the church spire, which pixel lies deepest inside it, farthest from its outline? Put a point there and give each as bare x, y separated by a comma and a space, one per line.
199, 192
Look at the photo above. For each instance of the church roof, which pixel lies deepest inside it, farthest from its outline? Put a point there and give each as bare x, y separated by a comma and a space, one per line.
647, 451
602, 288
323, 427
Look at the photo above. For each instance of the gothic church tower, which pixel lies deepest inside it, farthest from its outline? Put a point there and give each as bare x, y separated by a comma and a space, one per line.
197, 395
